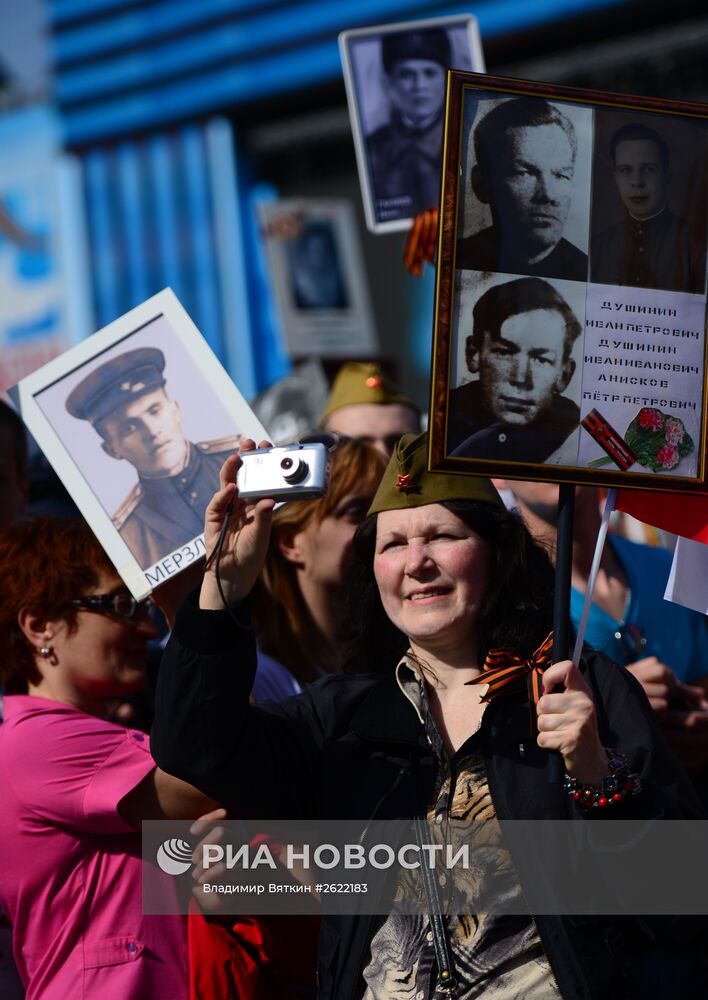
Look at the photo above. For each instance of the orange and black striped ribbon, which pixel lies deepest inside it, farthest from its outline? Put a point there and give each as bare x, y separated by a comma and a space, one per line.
421, 241
503, 667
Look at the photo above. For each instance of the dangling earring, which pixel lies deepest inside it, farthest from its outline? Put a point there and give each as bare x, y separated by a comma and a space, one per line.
46, 652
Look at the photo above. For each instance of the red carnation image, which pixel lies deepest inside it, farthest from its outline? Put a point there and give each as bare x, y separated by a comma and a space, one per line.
650, 419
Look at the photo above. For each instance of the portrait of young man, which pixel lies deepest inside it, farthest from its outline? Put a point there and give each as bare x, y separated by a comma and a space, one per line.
127, 403
404, 155
650, 246
525, 157
520, 347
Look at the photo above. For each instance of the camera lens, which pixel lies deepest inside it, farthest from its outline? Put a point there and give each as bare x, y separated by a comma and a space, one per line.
294, 470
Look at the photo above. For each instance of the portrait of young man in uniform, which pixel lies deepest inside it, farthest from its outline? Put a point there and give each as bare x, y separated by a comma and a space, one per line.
525, 157
651, 246
405, 154
126, 402
521, 343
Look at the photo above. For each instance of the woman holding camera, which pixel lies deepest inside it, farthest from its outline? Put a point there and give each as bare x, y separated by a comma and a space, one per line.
457, 712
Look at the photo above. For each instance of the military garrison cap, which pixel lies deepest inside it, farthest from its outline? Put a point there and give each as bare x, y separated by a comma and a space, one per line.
407, 483
117, 382
363, 382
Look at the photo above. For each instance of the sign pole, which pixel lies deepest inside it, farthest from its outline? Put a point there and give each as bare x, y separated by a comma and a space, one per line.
561, 597
564, 563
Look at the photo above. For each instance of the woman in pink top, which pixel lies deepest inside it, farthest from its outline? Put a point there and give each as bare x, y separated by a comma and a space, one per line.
76, 786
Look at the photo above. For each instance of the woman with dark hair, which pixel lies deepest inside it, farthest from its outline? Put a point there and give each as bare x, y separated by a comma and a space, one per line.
518, 600
453, 722
75, 785
299, 598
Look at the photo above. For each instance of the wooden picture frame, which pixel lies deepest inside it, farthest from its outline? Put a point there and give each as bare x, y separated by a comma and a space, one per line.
570, 313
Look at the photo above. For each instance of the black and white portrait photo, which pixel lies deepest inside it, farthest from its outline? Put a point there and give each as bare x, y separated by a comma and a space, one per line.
526, 187
129, 404
396, 79
649, 204
570, 285
317, 277
315, 271
518, 378
137, 420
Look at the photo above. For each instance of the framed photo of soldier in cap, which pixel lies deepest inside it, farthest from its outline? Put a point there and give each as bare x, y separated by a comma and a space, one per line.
137, 421
396, 78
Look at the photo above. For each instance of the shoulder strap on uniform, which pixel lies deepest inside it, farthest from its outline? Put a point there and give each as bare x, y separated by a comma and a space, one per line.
127, 507
230, 443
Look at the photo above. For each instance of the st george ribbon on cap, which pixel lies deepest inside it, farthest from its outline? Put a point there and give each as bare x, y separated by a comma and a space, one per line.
117, 382
407, 482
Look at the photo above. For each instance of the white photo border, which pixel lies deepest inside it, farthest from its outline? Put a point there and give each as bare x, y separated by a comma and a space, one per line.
344, 332
375, 31
163, 304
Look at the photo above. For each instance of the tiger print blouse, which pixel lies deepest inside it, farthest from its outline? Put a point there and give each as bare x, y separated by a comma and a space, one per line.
497, 950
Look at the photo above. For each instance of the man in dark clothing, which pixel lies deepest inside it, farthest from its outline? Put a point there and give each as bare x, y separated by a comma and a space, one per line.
405, 154
651, 247
522, 337
126, 403
525, 153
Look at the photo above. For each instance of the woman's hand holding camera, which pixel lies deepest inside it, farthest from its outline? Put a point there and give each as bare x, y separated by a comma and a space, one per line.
567, 723
246, 540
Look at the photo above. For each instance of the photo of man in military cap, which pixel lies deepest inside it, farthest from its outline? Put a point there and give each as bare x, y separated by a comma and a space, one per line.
126, 402
405, 154
396, 77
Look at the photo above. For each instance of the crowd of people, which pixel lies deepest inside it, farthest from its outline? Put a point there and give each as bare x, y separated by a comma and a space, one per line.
385, 652
381, 619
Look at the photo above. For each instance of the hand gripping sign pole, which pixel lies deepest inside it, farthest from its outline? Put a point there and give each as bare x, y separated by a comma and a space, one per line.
561, 596
561, 599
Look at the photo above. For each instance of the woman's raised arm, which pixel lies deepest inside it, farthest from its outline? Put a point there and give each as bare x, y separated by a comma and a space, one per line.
245, 543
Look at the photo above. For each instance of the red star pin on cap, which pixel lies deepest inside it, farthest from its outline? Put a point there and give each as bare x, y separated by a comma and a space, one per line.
374, 382
403, 483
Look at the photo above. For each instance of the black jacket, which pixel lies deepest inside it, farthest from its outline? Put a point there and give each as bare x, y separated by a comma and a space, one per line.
474, 432
350, 745
484, 252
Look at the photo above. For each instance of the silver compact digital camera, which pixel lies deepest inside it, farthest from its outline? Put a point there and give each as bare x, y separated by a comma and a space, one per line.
288, 472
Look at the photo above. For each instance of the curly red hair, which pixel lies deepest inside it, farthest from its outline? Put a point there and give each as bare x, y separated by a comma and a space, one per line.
43, 564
